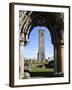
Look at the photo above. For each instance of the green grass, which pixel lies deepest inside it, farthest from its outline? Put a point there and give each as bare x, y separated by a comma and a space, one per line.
37, 69
41, 70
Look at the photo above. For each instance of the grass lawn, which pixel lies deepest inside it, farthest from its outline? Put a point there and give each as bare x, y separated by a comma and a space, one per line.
38, 69
41, 70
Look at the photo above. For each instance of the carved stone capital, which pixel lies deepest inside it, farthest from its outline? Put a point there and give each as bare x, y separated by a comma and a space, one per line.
21, 43
58, 43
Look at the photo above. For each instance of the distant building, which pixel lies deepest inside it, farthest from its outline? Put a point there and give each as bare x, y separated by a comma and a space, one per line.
50, 58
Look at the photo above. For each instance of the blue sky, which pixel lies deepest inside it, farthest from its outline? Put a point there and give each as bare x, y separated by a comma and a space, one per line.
31, 49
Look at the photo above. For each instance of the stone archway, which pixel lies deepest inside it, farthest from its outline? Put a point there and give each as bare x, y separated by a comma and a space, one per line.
55, 22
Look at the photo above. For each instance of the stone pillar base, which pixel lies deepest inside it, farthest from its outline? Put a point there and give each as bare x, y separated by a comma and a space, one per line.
60, 74
21, 76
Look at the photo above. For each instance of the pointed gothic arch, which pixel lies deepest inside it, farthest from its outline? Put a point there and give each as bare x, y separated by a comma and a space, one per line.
54, 22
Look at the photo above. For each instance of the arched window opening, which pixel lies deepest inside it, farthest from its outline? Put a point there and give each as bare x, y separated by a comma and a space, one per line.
39, 52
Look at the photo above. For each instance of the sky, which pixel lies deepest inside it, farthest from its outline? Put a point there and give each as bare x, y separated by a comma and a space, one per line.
31, 49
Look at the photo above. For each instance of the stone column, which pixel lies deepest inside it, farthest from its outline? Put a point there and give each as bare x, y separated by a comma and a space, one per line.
21, 59
59, 59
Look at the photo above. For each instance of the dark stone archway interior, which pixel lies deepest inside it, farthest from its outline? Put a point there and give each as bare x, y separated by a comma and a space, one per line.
54, 22
51, 20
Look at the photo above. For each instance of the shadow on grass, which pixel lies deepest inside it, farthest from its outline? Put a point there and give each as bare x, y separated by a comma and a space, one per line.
45, 74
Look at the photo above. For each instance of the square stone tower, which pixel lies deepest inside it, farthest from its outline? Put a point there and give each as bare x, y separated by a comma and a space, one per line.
41, 50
